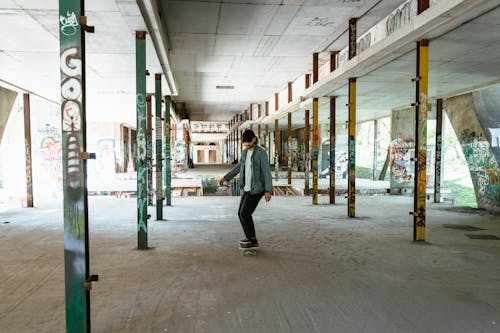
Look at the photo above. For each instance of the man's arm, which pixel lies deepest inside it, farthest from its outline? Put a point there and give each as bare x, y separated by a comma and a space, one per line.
230, 175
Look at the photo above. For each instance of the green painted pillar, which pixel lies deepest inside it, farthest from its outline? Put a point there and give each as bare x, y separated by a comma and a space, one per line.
168, 164
142, 207
74, 166
158, 149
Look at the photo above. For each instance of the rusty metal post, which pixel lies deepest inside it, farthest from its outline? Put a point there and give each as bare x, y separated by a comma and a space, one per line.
351, 181
333, 61
149, 149
332, 149
289, 149
276, 149
315, 152
307, 153
27, 150
315, 67
258, 116
290, 94
158, 148
375, 149
352, 37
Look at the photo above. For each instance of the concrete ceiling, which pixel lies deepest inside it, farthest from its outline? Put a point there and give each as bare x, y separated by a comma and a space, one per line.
29, 54
257, 46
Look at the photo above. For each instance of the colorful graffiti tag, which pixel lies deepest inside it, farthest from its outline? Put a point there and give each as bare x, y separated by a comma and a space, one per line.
483, 168
400, 152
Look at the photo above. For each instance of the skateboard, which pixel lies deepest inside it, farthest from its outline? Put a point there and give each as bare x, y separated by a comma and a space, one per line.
248, 251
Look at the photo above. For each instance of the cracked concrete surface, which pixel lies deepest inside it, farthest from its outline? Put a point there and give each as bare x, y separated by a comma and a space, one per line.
316, 271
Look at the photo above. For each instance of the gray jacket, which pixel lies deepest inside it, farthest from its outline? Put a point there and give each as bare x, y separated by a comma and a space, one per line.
262, 181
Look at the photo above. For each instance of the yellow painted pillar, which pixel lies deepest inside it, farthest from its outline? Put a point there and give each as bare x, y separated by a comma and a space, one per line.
421, 114
351, 166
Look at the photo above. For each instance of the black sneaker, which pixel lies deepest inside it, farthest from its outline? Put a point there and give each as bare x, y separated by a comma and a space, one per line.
249, 245
244, 241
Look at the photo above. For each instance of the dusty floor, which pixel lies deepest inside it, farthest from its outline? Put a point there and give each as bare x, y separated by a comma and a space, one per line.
317, 271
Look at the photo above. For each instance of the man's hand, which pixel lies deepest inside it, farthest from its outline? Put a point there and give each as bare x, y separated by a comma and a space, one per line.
221, 181
267, 196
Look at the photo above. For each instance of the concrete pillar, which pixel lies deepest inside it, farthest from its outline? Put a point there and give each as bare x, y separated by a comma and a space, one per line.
27, 147
7, 100
438, 151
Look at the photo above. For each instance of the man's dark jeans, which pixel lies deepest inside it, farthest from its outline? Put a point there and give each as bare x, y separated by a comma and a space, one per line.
248, 204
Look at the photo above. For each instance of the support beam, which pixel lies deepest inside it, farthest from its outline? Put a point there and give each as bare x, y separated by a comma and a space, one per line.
307, 153
168, 152
307, 82
27, 150
332, 149
276, 101
158, 148
289, 149
351, 149
74, 166
276, 151
439, 151
258, 116
149, 148
333, 61
351, 166
375, 148
315, 152
352, 37
290, 93
142, 208
315, 67
421, 114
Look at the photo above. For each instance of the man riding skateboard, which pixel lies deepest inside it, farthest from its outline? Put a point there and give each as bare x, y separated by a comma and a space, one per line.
256, 182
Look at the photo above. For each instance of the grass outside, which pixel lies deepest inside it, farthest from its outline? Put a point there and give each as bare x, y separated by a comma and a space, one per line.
464, 195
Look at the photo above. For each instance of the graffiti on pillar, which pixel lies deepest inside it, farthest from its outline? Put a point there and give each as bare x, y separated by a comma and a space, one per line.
73, 167
141, 167
400, 151
352, 176
484, 170
438, 162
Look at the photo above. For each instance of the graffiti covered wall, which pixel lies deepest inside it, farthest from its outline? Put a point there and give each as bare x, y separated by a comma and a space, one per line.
476, 147
402, 148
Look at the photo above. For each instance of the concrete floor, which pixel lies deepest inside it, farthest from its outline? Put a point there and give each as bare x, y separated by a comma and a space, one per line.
317, 271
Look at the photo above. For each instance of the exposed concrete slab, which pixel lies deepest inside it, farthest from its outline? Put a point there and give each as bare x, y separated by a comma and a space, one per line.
317, 271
